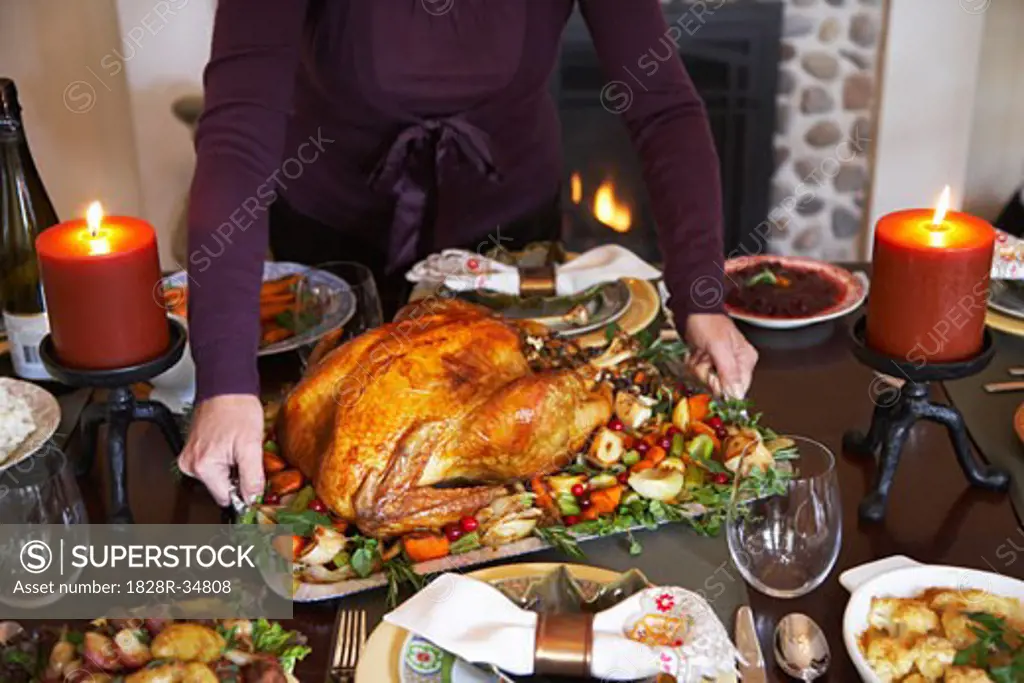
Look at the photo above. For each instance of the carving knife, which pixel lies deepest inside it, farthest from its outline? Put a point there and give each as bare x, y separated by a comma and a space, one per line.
752, 668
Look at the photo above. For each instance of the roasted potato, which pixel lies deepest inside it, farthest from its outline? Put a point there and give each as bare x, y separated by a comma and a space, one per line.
131, 650
196, 672
188, 643
170, 672
101, 652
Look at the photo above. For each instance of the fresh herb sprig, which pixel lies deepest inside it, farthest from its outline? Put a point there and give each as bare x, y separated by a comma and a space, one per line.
996, 640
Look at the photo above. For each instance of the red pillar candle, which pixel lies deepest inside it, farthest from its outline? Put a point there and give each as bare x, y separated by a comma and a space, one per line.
101, 278
930, 284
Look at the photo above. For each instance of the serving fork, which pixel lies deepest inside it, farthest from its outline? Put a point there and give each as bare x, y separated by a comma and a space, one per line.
349, 641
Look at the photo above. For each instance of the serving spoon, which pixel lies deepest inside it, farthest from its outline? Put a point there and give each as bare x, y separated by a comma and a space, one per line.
801, 649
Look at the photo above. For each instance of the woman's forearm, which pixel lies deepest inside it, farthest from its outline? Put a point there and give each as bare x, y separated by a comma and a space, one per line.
649, 88
239, 144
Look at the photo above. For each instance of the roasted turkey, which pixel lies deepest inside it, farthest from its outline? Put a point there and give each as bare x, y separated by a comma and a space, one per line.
419, 422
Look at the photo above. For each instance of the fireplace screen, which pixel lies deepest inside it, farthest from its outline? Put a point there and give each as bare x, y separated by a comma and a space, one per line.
733, 60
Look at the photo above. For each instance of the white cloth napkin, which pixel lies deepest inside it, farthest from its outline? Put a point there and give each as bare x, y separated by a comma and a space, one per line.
462, 271
475, 621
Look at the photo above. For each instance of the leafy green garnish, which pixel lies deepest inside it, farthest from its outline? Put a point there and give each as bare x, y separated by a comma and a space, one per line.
764, 277
21, 658
992, 640
365, 557
562, 539
400, 571
302, 523
466, 544
272, 638
661, 351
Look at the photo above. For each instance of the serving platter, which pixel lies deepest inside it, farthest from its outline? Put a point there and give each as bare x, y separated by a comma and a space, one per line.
853, 290
332, 294
45, 413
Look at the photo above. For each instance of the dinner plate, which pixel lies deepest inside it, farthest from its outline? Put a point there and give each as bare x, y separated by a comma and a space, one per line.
393, 655
1007, 297
902, 577
853, 286
567, 316
45, 414
333, 294
388, 651
644, 307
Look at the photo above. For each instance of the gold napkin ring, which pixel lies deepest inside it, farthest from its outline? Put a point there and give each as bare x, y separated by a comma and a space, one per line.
538, 281
563, 646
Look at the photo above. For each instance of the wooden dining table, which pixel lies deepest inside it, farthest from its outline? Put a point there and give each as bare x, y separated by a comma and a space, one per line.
807, 383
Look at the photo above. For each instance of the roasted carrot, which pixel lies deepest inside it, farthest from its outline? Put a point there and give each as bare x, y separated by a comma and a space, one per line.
271, 311
286, 481
272, 462
696, 428
340, 525
275, 333
298, 544
699, 406
424, 546
277, 299
280, 285
606, 500
540, 489
641, 466
656, 454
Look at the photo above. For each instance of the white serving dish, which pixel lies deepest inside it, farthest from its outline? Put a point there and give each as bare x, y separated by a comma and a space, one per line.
902, 577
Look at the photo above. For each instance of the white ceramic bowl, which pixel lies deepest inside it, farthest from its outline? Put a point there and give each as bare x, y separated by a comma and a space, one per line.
902, 577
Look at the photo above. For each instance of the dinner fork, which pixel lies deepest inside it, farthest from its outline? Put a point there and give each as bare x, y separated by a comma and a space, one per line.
351, 636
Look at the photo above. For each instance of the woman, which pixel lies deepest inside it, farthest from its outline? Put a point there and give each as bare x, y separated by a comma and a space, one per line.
382, 131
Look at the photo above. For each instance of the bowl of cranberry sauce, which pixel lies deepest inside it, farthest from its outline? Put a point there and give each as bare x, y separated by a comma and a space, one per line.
785, 292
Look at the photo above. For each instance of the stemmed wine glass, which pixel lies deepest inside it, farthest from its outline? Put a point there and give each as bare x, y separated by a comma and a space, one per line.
785, 545
41, 490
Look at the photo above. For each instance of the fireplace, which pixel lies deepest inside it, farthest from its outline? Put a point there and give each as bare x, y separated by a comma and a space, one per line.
732, 55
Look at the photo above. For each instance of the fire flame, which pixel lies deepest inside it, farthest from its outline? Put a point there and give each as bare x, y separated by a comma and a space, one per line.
943, 207
576, 188
94, 218
608, 209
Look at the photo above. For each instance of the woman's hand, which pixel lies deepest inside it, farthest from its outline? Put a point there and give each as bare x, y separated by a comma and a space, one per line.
713, 337
227, 432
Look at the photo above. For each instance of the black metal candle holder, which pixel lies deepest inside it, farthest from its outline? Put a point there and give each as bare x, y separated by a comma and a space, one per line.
897, 410
120, 409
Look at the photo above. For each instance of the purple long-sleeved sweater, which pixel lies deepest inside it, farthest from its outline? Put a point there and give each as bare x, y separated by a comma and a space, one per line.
349, 109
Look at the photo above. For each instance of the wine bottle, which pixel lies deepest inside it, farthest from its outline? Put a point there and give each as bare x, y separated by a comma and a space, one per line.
25, 210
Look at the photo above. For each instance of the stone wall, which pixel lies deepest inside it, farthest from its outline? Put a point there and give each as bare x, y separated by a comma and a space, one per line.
826, 96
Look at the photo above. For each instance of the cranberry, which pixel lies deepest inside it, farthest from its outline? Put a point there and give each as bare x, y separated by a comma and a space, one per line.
615, 424
272, 499
720, 478
665, 442
584, 502
317, 505
721, 433
714, 422
469, 524
672, 431
578, 490
642, 448
453, 532
571, 520
685, 390
623, 477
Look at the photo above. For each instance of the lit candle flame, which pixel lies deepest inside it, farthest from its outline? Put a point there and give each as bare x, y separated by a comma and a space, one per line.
576, 188
94, 218
943, 208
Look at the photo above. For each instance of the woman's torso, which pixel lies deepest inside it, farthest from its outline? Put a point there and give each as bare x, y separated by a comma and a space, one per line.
372, 70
